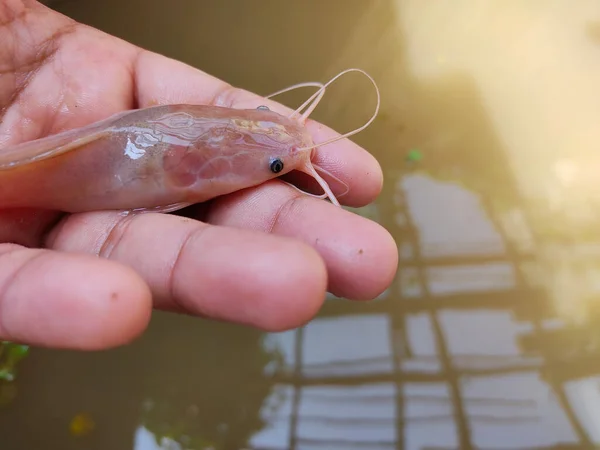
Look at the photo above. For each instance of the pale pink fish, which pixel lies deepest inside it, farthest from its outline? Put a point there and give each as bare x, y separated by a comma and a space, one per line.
162, 158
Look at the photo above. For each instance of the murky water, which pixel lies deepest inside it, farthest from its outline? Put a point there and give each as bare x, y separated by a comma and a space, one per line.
489, 336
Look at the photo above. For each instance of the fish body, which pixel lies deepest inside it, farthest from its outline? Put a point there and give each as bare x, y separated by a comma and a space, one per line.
156, 158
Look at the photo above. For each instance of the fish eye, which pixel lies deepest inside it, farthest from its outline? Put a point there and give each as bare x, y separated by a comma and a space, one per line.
276, 165
263, 108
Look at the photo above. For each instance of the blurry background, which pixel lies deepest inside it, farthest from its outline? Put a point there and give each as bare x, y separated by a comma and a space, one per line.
489, 336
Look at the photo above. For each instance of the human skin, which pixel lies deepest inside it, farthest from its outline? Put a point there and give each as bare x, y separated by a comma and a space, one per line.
263, 256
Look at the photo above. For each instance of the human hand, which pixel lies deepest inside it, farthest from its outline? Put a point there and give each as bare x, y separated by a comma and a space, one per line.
263, 256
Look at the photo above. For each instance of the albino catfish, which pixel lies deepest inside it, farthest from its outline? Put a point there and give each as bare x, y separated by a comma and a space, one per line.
164, 158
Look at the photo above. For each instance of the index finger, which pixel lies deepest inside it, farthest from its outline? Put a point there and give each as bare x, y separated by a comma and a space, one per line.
161, 80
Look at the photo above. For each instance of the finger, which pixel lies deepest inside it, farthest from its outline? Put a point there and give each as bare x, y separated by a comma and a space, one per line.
360, 255
240, 276
69, 301
160, 80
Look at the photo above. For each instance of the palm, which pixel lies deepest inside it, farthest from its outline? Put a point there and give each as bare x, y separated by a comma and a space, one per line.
58, 75
96, 84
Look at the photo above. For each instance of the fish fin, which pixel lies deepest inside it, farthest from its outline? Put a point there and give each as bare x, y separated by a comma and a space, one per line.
45, 148
163, 209
57, 144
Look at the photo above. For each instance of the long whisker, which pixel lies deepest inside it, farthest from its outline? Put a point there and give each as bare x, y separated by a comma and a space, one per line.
320, 93
315, 101
332, 176
310, 170
357, 130
296, 86
321, 196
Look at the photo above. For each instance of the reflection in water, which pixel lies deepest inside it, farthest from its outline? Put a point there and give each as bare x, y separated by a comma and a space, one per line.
488, 337
195, 413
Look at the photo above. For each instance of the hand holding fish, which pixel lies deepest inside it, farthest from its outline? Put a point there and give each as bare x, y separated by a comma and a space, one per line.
78, 272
